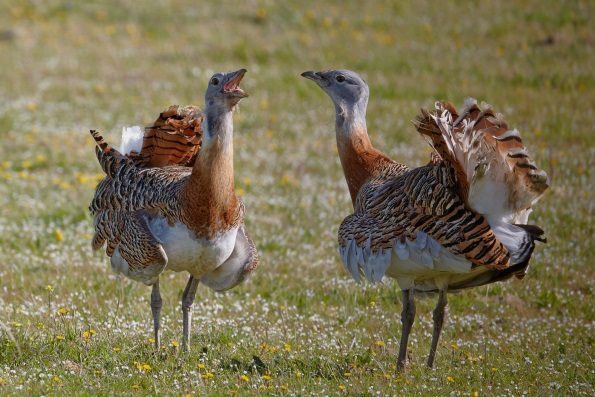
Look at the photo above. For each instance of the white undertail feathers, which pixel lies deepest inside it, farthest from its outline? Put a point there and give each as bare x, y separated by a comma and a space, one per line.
132, 140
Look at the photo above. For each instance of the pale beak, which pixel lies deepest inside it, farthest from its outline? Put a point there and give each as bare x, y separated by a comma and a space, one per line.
311, 75
316, 77
232, 86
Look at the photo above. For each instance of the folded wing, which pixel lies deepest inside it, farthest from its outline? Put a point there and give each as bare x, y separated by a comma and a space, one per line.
124, 201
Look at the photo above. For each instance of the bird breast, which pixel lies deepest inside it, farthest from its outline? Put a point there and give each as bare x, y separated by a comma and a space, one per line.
187, 252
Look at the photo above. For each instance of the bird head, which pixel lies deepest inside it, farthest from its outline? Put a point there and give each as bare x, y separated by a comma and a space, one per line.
224, 90
346, 88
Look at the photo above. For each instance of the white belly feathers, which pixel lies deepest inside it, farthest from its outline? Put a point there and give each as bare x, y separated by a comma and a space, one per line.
185, 252
422, 263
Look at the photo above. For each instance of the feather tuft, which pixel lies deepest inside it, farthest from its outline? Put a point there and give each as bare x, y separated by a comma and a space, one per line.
132, 140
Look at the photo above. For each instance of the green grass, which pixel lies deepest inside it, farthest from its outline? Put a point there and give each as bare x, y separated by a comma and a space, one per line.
71, 66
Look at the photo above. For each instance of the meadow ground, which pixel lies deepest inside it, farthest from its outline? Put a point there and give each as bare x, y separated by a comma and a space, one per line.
68, 326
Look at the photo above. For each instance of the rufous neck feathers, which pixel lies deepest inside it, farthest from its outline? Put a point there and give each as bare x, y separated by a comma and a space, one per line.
209, 195
360, 160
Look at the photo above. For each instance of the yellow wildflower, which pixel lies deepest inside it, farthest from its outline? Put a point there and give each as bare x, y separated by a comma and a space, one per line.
58, 235
60, 337
286, 180
49, 288
342, 387
380, 343
450, 379
64, 185
56, 379
110, 30
266, 377
287, 347
174, 343
244, 378
201, 366
143, 367
261, 13
99, 88
208, 375
2, 381
63, 311
347, 374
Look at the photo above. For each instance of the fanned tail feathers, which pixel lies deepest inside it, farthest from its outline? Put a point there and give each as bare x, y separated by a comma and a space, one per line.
173, 139
495, 174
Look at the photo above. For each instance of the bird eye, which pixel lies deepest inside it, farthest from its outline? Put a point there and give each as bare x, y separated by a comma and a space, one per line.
214, 81
340, 78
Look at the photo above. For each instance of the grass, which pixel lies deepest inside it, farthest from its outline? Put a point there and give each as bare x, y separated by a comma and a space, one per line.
300, 326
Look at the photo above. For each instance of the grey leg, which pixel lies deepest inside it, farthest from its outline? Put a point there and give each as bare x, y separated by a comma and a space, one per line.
187, 301
438, 316
156, 304
407, 317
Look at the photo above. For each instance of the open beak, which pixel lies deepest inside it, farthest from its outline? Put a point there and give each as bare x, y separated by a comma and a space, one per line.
232, 86
316, 77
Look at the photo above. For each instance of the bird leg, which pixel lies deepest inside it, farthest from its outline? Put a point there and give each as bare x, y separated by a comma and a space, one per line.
156, 304
187, 301
407, 317
438, 316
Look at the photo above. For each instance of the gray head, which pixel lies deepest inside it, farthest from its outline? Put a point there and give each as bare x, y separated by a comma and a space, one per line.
346, 88
224, 91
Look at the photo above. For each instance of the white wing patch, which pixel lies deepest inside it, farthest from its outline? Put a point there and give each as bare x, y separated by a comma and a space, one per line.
421, 258
132, 140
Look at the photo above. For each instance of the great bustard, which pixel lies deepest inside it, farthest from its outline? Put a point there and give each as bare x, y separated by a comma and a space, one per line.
458, 222
156, 212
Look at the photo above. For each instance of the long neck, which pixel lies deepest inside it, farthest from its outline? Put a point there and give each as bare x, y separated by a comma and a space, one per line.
358, 157
209, 195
